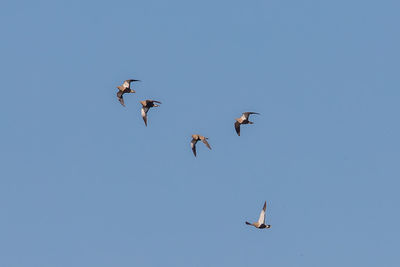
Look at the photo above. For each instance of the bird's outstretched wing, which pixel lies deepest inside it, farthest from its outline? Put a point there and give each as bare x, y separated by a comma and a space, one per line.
121, 98
261, 220
127, 83
206, 143
193, 146
247, 114
237, 128
144, 114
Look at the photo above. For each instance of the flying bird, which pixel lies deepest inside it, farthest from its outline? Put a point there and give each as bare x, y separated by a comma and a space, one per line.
244, 119
260, 224
195, 139
146, 105
125, 88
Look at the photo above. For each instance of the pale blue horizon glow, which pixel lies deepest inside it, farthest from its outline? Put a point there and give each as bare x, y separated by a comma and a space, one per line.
85, 183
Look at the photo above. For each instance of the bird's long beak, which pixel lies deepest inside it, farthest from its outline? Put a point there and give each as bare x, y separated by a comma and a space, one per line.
133, 91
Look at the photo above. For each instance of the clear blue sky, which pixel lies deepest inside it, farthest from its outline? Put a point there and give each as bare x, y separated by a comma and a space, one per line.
85, 183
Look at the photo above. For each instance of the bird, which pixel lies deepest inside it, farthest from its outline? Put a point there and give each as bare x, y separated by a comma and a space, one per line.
125, 88
195, 139
260, 224
146, 105
244, 119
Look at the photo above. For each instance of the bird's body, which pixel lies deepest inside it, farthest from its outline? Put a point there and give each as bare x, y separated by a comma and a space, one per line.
244, 119
146, 105
195, 139
260, 224
124, 89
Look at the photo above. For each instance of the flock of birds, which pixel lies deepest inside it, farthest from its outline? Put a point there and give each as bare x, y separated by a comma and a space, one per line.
125, 88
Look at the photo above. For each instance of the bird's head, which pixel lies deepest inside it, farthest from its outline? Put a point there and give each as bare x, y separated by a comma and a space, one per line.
267, 226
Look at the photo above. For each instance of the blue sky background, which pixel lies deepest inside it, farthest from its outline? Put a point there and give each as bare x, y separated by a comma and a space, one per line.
85, 183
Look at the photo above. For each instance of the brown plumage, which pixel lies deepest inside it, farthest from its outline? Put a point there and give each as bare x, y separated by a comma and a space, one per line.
195, 139
125, 88
146, 105
244, 119
260, 224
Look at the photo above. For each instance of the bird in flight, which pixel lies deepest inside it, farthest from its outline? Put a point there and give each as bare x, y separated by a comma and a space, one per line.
125, 88
260, 224
244, 119
195, 139
146, 105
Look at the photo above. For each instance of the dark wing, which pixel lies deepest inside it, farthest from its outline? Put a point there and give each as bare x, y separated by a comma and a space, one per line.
121, 98
156, 101
193, 146
237, 128
131, 80
127, 83
247, 114
144, 115
205, 142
